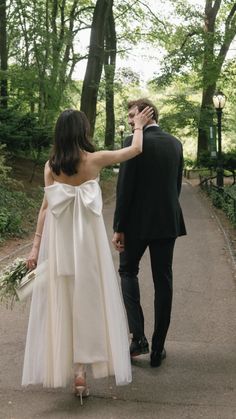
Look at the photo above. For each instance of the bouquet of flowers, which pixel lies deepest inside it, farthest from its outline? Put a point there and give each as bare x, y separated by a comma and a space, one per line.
10, 280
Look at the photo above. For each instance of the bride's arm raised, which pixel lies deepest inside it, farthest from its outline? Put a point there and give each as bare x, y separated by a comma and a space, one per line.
107, 158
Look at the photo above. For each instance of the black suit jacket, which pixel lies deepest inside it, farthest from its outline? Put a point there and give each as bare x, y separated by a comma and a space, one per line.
148, 188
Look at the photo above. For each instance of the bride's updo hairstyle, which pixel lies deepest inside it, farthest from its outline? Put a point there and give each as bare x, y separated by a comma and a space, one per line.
71, 136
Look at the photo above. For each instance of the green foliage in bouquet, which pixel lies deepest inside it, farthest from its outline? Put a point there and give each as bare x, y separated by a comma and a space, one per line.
10, 278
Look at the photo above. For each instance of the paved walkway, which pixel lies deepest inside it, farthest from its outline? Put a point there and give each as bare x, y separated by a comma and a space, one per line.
198, 378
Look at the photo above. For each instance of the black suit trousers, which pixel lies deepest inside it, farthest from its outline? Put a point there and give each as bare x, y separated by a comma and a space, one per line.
161, 255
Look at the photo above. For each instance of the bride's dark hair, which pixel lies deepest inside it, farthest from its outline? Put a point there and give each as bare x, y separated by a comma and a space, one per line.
71, 136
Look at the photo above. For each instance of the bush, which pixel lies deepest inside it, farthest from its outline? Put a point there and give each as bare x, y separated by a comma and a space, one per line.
228, 161
22, 132
217, 199
17, 211
189, 163
205, 160
225, 200
4, 169
107, 173
12, 211
229, 203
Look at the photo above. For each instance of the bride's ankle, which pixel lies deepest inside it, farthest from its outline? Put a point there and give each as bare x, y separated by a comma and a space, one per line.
80, 370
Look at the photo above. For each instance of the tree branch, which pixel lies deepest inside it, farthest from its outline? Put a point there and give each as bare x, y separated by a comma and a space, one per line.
211, 11
48, 43
83, 9
216, 6
189, 35
54, 16
230, 32
230, 16
62, 31
153, 14
129, 7
24, 31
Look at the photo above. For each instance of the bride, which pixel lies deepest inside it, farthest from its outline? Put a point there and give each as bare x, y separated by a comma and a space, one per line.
77, 316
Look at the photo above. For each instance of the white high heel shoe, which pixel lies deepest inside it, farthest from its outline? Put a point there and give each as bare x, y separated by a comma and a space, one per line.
80, 385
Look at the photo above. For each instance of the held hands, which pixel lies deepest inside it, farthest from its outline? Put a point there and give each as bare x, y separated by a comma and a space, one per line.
119, 242
142, 118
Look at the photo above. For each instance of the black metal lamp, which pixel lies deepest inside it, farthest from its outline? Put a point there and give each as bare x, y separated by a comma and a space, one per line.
219, 100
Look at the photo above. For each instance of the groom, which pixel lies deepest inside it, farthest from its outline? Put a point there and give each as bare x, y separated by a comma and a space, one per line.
148, 214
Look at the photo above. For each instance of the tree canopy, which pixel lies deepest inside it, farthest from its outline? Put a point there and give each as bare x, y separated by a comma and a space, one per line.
40, 48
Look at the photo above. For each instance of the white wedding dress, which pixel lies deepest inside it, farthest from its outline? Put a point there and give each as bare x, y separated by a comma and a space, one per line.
77, 314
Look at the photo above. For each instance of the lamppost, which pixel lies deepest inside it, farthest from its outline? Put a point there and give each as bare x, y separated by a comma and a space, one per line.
219, 100
121, 131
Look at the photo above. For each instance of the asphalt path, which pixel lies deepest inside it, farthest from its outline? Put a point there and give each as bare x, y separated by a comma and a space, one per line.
198, 377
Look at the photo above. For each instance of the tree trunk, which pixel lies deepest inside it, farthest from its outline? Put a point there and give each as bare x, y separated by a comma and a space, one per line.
3, 54
95, 62
109, 68
206, 118
212, 66
209, 76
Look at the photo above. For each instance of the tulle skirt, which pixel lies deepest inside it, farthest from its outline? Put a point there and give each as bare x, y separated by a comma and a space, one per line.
77, 316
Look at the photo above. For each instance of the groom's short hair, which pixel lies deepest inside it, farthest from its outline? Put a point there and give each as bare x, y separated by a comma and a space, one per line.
141, 104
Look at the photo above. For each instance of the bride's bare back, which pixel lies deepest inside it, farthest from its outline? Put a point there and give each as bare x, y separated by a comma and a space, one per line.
90, 164
86, 170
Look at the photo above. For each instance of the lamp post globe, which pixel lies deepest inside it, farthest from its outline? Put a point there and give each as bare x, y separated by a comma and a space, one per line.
219, 100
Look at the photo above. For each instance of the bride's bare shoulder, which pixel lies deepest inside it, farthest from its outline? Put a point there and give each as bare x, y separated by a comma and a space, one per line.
46, 166
48, 178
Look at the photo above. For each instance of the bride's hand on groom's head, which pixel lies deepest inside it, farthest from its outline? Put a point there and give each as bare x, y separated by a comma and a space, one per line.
143, 117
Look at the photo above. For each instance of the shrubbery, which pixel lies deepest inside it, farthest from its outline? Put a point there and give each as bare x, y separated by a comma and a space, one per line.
17, 211
225, 200
22, 132
4, 169
206, 161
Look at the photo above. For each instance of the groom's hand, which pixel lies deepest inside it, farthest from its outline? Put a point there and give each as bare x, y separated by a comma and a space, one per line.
119, 242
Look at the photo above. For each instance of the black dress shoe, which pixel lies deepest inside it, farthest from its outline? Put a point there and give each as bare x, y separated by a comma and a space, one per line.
139, 346
157, 358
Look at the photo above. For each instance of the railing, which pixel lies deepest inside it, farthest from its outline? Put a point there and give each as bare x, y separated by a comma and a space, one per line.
195, 173
220, 197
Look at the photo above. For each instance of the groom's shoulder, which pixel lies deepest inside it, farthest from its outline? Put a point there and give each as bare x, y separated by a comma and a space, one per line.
170, 137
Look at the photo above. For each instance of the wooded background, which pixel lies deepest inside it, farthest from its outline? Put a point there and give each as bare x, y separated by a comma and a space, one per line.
39, 50
190, 43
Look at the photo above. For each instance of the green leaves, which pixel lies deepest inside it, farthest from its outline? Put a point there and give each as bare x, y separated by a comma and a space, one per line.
9, 279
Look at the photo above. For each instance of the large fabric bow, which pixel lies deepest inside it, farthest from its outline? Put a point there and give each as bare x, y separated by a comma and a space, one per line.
69, 207
61, 195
